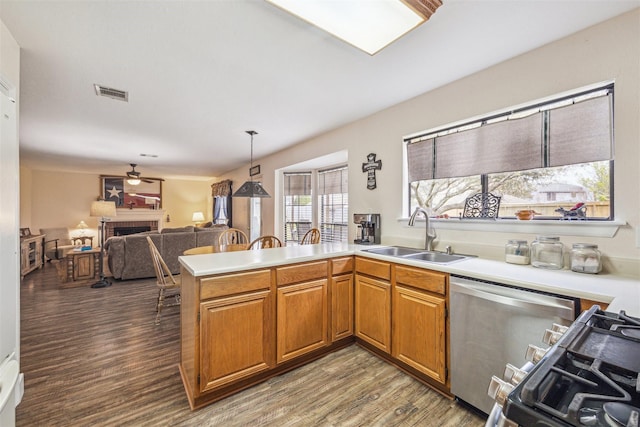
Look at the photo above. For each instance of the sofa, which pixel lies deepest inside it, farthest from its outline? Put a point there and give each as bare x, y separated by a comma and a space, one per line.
129, 256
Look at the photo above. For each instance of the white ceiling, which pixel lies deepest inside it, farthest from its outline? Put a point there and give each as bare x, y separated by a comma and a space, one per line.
200, 73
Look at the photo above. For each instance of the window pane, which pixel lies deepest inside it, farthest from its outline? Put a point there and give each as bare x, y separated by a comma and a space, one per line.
549, 189
444, 197
297, 206
333, 201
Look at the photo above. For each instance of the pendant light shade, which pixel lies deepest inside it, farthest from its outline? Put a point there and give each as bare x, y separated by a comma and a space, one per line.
250, 188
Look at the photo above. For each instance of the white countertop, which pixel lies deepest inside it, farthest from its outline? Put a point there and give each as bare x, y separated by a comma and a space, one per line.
621, 293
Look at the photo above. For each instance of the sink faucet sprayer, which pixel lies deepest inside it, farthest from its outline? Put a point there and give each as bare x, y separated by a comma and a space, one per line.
430, 235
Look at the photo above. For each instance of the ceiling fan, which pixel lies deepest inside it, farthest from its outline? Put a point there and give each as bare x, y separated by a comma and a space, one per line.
133, 176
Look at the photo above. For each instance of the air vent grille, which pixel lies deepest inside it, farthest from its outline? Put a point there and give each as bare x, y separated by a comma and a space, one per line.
111, 93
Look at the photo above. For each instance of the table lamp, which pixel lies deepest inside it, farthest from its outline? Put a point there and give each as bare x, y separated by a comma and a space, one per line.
197, 217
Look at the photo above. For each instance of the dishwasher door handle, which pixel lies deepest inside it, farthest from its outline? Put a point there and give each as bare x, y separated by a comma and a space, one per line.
521, 301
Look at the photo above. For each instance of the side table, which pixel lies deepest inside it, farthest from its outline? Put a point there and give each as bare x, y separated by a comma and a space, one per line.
78, 268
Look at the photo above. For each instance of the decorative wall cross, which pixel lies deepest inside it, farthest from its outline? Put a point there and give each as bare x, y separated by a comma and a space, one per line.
370, 168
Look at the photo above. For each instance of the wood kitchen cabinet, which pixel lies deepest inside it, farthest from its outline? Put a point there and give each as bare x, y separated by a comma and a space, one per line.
243, 327
419, 320
227, 330
302, 314
342, 298
373, 303
234, 340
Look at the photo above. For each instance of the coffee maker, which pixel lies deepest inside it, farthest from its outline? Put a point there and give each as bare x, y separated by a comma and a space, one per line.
368, 229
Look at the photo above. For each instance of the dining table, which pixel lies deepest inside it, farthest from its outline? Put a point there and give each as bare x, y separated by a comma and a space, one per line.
215, 249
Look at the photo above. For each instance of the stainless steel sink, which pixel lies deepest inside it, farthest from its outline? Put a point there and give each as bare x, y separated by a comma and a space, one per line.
417, 254
437, 257
398, 251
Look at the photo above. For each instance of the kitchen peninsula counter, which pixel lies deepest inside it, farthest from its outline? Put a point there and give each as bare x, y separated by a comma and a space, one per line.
249, 315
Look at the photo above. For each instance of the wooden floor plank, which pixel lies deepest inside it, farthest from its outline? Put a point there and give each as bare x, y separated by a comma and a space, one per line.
94, 357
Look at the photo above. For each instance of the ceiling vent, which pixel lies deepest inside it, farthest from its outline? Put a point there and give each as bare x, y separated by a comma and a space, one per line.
111, 93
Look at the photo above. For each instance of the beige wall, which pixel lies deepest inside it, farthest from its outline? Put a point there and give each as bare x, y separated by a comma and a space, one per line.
608, 51
59, 199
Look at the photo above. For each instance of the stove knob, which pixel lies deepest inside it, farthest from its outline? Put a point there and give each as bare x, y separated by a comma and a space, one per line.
499, 390
535, 354
559, 328
551, 337
514, 375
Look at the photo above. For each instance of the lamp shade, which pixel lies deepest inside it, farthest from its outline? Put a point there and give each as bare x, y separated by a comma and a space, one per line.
251, 189
197, 217
82, 225
103, 208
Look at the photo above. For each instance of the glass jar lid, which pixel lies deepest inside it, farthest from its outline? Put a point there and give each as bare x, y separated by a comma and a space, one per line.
548, 239
517, 242
584, 246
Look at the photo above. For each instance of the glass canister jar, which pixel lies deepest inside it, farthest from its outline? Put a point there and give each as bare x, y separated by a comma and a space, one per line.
517, 252
585, 258
547, 252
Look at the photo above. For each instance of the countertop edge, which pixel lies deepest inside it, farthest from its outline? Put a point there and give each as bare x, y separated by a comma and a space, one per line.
619, 292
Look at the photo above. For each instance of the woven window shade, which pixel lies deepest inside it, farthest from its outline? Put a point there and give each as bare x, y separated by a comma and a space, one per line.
297, 184
221, 189
581, 132
420, 160
333, 181
499, 147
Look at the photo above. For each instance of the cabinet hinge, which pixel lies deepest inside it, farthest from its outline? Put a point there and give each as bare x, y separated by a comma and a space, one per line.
446, 313
446, 375
198, 379
198, 317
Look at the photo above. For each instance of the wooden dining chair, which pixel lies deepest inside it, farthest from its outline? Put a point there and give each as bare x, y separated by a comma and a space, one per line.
165, 280
233, 236
311, 237
265, 242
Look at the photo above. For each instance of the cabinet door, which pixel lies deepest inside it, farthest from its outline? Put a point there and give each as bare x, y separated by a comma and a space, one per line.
373, 312
341, 307
236, 338
419, 331
302, 319
83, 266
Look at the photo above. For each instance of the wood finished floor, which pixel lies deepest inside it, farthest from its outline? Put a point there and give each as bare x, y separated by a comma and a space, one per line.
93, 357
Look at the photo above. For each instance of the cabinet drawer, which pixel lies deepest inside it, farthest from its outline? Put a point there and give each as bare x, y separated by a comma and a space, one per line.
342, 265
213, 287
373, 268
427, 280
301, 272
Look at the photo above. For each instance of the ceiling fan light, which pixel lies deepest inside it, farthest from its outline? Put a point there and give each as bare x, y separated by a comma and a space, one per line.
133, 181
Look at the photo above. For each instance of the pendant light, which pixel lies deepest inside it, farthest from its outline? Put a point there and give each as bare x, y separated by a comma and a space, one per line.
250, 188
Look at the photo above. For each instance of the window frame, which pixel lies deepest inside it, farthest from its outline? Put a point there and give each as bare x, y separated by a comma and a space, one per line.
426, 151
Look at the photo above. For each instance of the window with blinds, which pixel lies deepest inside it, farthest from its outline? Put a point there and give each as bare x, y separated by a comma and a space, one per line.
545, 157
298, 206
333, 203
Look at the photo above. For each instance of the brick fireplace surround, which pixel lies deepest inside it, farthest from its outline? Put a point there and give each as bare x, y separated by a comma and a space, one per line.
134, 218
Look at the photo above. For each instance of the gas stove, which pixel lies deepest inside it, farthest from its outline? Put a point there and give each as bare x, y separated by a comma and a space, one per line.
590, 376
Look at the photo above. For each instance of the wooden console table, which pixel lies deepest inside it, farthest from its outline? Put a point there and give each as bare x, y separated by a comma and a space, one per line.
78, 268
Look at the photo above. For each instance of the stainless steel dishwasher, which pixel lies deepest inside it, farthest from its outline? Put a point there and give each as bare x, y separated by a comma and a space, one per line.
492, 325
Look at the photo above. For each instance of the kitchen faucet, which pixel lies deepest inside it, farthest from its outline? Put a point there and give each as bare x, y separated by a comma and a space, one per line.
430, 233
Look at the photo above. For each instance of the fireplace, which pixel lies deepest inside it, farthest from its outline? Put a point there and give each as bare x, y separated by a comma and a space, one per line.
122, 228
